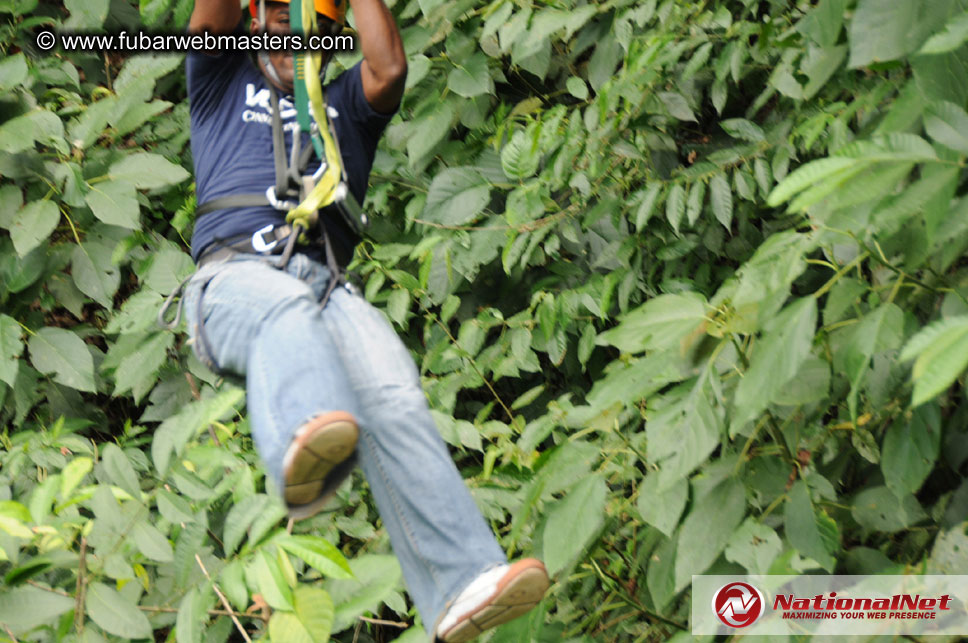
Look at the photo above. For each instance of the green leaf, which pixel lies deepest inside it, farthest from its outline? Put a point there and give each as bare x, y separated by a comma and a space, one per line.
647, 201
32, 225
577, 87
777, 359
470, 77
676, 206
677, 106
115, 203
721, 199
953, 36
152, 543
429, 130
658, 324
699, 544
189, 624
809, 529
86, 15
941, 357
13, 71
883, 30
808, 176
695, 201
73, 474
520, 157
168, 267
314, 608
61, 352
115, 614
880, 330
119, 470
911, 448
743, 129
147, 171
754, 546
878, 509
573, 521
138, 371
683, 430
662, 508
264, 574
11, 348
319, 554
376, 578
947, 123
456, 196
93, 272
25, 607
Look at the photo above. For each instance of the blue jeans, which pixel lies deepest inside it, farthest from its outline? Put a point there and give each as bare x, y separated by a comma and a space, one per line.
300, 361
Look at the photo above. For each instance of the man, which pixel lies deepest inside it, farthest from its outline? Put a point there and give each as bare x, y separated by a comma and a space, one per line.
328, 386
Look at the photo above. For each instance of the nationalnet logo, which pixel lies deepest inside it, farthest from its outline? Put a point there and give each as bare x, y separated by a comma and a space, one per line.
738, 604
831, 605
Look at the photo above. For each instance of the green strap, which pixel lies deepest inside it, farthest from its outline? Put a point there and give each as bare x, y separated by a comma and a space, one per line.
310, 106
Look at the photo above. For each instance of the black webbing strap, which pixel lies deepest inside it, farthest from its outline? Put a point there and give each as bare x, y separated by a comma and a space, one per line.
279, 146
232, 201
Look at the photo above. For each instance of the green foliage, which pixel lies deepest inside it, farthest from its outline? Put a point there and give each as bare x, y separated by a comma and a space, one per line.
685, 281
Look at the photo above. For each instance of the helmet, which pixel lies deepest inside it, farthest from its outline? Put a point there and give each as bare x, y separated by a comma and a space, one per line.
333, 9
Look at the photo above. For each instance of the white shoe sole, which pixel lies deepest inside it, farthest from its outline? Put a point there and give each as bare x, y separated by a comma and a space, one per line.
521, 588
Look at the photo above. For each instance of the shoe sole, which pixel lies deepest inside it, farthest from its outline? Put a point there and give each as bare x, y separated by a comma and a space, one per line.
523, 587
319, 446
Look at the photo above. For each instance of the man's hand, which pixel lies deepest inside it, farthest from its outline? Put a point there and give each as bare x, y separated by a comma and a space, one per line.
384, 68
216, 16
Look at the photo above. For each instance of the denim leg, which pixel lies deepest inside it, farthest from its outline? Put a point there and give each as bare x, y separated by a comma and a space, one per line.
436, 529
300, 361
265, 324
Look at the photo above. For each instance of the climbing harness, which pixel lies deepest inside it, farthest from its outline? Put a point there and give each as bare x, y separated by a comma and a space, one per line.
301, 196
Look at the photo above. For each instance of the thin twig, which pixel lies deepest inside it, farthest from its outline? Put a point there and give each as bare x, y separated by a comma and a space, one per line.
377, 621
81, 584
225, 601
175, 610
10, 634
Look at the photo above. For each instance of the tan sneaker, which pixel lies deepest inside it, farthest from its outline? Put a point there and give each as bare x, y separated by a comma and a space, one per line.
318, 447
495, 597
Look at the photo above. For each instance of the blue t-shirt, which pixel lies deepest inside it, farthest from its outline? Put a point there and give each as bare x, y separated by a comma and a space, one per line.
231, 120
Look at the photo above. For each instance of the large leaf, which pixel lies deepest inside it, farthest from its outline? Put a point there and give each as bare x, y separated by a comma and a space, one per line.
25, 607
573, 522
878, 509
115, 203
11, 347
707, 529
33, 224
947, 123
685, 431
116, 614
911, 448
754, 546
810, 529
148, 171
94, 273
470, 77
375, 578
942, 355
65, 355
777, 359
662, 508
658, 324
456, 196
319, 554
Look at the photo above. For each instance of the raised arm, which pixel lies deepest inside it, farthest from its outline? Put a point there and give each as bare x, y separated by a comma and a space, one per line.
384, 66
217, 16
